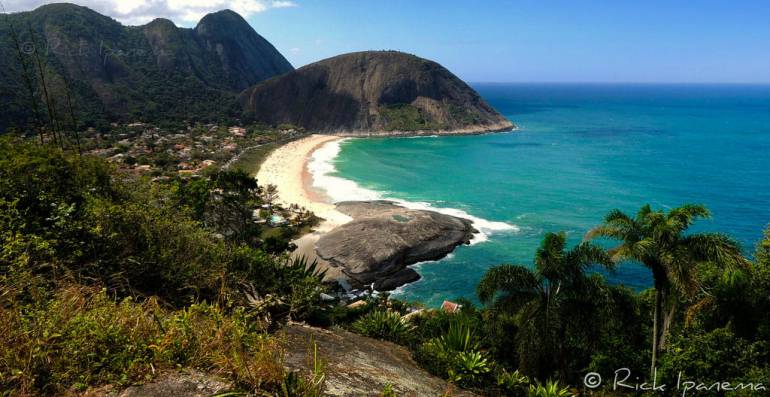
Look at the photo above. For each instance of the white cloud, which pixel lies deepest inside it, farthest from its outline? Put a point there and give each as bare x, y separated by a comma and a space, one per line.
182, 12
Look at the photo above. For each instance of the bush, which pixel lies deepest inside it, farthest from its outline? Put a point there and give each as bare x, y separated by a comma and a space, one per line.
549, 389
455, 355
469, 368
82, 337
384, 325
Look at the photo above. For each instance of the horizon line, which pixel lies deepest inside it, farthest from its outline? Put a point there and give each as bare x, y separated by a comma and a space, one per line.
762, 83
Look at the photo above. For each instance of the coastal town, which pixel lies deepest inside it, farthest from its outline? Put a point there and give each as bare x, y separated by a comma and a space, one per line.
190, 150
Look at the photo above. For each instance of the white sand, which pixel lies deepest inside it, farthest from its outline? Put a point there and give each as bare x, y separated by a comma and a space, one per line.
286, 168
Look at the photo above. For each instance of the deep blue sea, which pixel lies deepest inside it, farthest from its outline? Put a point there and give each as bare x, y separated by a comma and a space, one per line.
580, 151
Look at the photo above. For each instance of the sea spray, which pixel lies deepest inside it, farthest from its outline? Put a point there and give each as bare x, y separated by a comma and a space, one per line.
321, 167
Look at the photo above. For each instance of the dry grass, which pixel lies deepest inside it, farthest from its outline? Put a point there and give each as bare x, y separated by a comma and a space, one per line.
81, 337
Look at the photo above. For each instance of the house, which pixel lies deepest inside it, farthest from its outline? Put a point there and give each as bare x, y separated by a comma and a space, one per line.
451, 307
237, 131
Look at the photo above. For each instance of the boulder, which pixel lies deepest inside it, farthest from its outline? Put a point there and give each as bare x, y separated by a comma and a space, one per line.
384, 238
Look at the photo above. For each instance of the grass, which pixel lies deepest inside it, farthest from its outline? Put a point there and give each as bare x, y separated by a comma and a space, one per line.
81, 337
251, 159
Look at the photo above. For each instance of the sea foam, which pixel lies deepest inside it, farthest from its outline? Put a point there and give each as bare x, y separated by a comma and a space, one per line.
321, 167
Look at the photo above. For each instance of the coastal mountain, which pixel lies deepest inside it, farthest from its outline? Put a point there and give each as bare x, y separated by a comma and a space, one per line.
373, 92
157, 71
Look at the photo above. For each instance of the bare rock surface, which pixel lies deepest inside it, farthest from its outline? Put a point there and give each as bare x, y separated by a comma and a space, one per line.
359, 366
384, 238
373, 93
181, 383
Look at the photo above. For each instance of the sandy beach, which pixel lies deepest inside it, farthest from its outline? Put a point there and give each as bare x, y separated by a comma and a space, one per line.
286, 168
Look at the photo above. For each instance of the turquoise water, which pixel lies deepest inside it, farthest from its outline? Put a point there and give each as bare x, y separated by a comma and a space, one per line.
580, 151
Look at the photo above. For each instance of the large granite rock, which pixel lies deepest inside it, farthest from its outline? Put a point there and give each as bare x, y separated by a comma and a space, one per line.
358, 366
384, 238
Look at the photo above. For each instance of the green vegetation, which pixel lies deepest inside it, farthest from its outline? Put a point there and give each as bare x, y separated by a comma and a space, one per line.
546, 327
119, 73
463, 115
656, 239
405, 117
110, 277
384, 325
107, 278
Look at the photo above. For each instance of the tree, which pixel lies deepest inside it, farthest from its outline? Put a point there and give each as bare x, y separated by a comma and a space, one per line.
543, 300
658, 240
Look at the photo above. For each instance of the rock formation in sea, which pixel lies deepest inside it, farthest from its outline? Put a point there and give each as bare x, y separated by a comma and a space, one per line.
383, 239
373, 93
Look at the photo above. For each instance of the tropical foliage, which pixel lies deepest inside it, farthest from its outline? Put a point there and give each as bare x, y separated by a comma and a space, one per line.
106, 278
659, 241
384, 325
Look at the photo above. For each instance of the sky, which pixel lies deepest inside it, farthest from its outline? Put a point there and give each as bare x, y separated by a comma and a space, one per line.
645, 41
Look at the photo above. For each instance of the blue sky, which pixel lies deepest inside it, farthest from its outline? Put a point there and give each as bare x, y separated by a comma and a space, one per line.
648, 41
536, 41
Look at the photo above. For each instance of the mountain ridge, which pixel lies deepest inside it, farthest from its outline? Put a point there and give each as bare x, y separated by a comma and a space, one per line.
122, 73
373, 92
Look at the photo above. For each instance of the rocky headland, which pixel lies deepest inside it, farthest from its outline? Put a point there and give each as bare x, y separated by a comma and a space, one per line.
373, 93
383, 239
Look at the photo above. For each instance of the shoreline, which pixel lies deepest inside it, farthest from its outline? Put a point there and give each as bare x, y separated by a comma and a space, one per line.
287, 168
471, 130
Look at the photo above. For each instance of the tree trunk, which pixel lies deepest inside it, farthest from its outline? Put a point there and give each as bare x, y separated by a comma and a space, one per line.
655, 320
667, 320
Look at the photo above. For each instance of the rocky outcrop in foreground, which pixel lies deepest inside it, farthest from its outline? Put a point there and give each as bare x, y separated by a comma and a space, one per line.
358, 366
384, 238
373, 93
354, 366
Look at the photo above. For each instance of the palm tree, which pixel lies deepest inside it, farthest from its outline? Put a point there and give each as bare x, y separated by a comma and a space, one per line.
542, 299
658, 240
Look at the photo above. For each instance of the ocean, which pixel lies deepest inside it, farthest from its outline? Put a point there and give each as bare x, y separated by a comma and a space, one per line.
580, 150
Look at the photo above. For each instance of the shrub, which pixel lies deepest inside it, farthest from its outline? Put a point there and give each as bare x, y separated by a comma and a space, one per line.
460, 338
469, 368
512, 383
549, 389
384, 325
455, 355
82, 337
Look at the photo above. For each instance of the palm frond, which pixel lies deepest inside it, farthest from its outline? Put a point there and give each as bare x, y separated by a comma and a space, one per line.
717, 248
508, 279
586, 254
550, 252
685, 215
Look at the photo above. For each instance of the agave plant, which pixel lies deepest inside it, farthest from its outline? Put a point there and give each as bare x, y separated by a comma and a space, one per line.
384, 325
459, 338
298, 266
469, 367
512, 381
549, 389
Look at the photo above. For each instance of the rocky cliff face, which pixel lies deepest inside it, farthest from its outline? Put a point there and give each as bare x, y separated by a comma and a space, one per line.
153, 72
384, 238
373, 92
